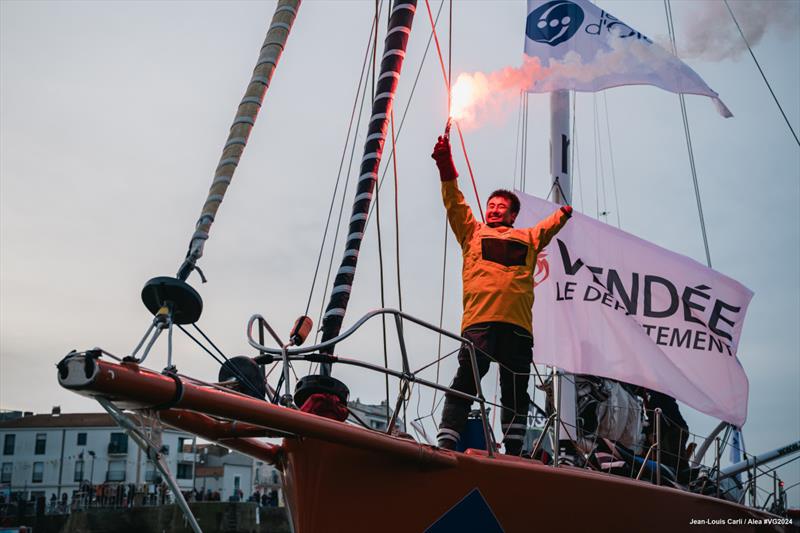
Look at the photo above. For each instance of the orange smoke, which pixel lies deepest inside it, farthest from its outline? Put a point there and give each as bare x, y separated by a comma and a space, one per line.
477, 97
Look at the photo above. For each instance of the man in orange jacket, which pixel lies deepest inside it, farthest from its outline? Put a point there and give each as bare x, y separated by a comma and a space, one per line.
498, 265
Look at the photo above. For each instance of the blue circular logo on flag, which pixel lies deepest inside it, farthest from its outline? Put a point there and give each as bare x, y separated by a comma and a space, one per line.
554, 22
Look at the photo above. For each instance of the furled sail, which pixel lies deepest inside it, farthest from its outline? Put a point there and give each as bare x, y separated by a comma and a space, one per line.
400, 21
243, 122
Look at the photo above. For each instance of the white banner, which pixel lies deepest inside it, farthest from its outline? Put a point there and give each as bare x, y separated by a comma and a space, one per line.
611, 304
585, 48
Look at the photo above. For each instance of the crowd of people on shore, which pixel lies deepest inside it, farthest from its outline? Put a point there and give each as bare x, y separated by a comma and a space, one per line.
120, 495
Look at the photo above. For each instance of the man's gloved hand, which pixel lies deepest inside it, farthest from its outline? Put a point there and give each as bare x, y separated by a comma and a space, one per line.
444, 159
567, 210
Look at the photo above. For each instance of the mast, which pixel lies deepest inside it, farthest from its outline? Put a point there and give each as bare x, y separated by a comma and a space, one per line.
560, 142
560, 172
400, 21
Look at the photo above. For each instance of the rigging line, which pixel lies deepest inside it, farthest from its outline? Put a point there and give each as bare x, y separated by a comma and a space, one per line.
471, 174
458, 126
341, 205
524, 141
763, 76
572, 135
341, 164
516, 143
596, 172
763, 471
230, 367
438, 48
576, 154
441, 309
200, 331
438, 359
378, 230
396, 214
450, 54
201, 345
687, 133
694, 180
524, 170
527, 119
611, 157
600, 158
408, 105
444, 246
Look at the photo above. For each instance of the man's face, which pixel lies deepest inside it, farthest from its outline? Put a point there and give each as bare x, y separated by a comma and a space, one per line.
498, 212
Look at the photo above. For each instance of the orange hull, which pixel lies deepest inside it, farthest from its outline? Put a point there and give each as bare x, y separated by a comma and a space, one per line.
334, 488
339, 477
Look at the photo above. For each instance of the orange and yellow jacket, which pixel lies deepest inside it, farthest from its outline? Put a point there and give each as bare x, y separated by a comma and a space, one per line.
498, 262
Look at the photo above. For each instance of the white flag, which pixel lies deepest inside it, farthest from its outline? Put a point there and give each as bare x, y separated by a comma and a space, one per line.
585, 48
610, 304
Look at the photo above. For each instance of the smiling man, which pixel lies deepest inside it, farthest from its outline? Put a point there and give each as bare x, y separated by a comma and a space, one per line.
498, 264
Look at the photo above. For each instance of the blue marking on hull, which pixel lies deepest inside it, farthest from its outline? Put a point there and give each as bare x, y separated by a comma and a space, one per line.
471, 514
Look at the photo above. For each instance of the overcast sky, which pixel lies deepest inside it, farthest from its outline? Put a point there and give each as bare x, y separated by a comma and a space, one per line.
113, 116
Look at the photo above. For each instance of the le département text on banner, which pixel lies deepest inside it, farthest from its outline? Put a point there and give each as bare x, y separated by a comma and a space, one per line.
611, 304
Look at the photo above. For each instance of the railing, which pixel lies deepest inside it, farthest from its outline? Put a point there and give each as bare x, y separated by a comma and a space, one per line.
407, 377
652, 464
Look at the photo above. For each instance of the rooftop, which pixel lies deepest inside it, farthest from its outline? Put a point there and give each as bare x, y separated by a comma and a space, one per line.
69, 420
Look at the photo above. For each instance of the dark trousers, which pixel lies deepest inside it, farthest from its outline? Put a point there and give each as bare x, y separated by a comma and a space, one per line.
511, 346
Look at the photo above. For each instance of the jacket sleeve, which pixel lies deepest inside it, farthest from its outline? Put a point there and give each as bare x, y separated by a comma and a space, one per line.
459, 213
547, 228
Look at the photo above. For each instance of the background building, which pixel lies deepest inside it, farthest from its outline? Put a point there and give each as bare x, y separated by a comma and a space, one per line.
224, 471
55, 453
373, 416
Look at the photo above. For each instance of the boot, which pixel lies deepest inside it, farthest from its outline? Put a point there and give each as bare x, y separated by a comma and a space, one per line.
448, 439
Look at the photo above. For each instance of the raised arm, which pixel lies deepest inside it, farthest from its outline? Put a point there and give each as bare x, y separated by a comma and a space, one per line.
459, 213
547, 228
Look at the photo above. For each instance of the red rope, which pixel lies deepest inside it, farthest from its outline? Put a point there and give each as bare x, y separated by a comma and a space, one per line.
458, 126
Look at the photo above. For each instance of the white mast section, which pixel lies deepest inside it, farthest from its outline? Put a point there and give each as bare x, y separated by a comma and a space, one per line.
560, 172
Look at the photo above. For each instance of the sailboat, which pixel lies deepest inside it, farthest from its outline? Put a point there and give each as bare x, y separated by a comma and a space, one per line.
328, 464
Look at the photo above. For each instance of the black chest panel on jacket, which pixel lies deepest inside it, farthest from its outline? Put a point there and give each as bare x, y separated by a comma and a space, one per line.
506, 252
